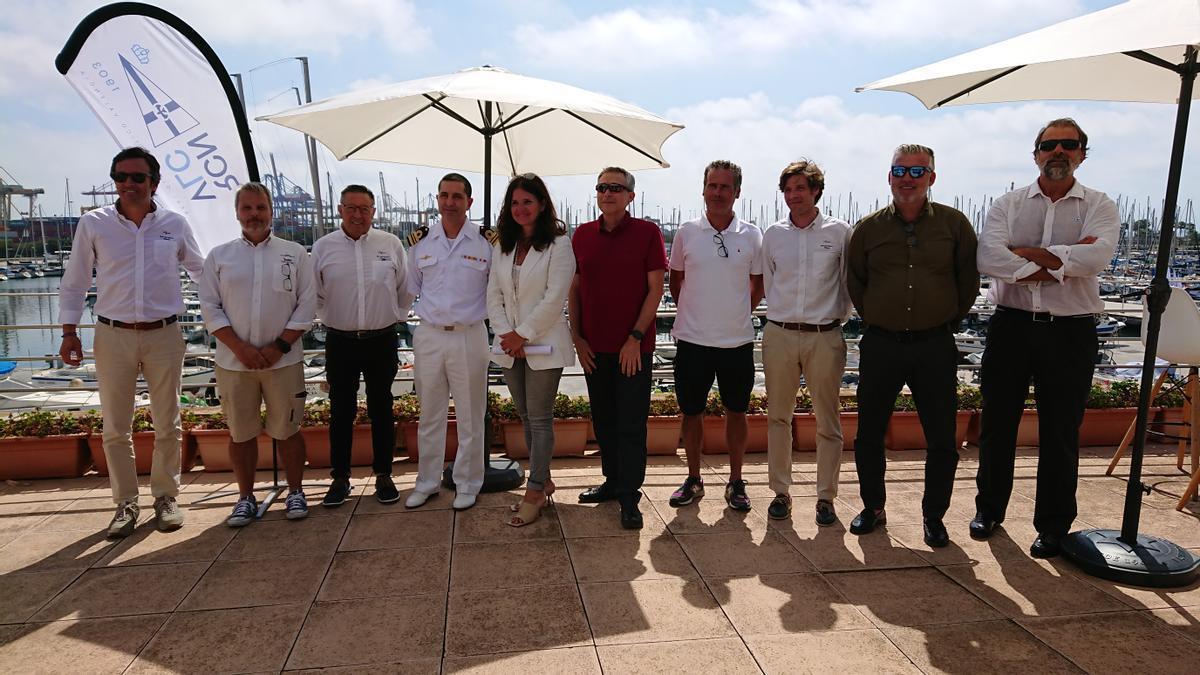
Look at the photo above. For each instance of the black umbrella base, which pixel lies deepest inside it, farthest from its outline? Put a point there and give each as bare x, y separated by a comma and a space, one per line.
1152, 562
498, 475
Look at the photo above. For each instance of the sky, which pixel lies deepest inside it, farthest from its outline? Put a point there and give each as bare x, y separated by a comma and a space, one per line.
761, 83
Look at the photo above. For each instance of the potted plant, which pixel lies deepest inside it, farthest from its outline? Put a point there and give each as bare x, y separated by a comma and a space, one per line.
714, 425
315, 428
571, 419
663, 425
848, 412
905, 432
804, 423
211, 432
1111, 409
42, 444
143, 440
406, 408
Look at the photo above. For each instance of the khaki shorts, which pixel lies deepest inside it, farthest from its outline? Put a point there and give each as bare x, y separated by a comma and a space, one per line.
242, 393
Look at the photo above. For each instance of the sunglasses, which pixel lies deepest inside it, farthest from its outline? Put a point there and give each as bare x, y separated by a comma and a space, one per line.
611, 187
1066, 143
914, 171
719, 240
121, 177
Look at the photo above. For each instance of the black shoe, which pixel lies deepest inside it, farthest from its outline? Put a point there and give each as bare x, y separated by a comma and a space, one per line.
867, 521
631, 517
338, 492
385, 489
825, 513
982, 526
935, 534
780, 508
601, 493
1046, 546
735, 495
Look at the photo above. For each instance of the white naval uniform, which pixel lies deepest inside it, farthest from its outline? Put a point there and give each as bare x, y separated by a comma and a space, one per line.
450, 351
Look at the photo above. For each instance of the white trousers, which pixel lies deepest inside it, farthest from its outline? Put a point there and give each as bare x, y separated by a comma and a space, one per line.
157, 354
451, 363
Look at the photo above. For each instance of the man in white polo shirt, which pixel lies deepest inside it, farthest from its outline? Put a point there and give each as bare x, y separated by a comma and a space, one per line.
804, 271
258, 297
716, 281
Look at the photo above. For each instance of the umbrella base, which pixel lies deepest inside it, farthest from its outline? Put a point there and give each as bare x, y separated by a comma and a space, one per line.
498, 475
1152, 562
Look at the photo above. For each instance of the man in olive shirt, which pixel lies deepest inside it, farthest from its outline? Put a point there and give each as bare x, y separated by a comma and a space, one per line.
912, 278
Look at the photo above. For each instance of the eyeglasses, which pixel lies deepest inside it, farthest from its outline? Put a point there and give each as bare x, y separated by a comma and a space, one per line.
1066, 143
121, 177
914, 171
286, 270
910, 234
357, 209
610, 187
719, 240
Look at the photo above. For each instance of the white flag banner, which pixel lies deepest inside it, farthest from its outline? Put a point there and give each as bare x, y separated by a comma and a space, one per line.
154, 82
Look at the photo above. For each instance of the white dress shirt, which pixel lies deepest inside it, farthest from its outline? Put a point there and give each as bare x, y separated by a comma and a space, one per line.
1027, 217
258, 291
361, 283
137, 268
804, 271
450, 276
714, 305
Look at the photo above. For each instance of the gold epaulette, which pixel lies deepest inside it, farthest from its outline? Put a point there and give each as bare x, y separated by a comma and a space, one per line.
488, 233
417, 235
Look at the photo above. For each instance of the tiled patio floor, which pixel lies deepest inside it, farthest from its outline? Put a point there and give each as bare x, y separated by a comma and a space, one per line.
373, 588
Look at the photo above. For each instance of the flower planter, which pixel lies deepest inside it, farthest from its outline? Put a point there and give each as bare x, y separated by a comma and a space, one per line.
43, 457
714, 434
1027, 431
804, 431
570, 438
904, 431
663, 435
1105, 426
316, 446
143, 452
213, 447
412, 439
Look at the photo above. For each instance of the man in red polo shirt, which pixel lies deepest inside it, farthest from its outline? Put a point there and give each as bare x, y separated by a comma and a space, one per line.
620, 263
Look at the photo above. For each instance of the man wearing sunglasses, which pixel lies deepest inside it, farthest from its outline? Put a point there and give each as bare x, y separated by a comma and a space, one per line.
1043, 245
716, 280
258, 297
620, 261
362, 292
136, 248
912, 278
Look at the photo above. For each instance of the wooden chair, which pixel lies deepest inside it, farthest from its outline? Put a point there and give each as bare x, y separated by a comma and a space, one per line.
1179, 343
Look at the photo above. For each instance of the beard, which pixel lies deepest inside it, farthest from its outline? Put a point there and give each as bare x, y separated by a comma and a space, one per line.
1055, 169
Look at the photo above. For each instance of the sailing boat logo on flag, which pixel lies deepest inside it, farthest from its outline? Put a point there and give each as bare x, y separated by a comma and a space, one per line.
165, 119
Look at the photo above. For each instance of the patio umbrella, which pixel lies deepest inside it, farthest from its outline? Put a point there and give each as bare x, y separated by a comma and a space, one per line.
1142, 50
549, 128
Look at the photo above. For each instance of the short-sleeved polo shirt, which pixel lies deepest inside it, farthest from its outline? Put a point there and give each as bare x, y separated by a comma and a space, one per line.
714, 306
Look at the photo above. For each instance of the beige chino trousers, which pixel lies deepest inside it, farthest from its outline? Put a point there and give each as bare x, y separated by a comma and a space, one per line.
821, 359
157, 354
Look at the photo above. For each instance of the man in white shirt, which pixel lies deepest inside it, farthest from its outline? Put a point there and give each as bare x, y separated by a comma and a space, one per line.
361, 294
804, 272
1043, 245
448, 271
136, 248
258, 297
716, 281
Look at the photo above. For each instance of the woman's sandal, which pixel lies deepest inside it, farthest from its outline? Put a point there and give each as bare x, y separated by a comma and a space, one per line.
528, 512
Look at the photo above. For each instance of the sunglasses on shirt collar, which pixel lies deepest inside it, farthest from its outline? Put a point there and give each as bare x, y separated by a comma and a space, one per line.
1066, 143
914, 171
616, 188
121, 177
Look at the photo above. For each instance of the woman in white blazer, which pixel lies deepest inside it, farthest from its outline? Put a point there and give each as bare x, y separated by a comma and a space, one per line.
527, 288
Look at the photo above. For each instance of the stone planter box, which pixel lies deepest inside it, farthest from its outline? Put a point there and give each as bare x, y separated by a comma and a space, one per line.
316, 446
570, 438
49, 457
714, 434
411, 440
213, 447
905, 433
804, 431
1106, 426
143, 452
663, 435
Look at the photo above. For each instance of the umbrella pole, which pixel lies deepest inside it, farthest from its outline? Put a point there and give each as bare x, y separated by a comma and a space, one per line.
1126, 556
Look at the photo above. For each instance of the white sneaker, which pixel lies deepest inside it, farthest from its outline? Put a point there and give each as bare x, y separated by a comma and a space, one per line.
125, 520
168, 514
463, 502
418, 499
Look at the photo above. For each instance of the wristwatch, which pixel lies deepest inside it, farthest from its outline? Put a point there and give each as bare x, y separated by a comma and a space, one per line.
283, 345
637, 334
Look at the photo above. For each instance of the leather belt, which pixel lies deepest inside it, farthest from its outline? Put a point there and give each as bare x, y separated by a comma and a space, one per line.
362, 334
808, 327
139, 325
1043, 317
909, 335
